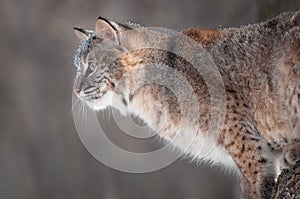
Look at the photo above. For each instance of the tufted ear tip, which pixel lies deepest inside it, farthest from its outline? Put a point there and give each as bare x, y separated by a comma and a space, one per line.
105, 29
102, 18
80, 33
79, 29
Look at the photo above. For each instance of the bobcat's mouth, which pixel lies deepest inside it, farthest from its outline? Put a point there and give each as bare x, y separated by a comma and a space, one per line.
98, 101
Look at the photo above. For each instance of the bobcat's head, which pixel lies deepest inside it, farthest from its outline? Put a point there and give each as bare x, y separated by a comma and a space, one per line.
99, 72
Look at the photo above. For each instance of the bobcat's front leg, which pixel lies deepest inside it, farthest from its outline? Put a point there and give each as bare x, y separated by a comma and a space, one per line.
245, 187
254, 160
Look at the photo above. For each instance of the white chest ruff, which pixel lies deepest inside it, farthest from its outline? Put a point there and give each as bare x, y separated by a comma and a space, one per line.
197, 147
202, 149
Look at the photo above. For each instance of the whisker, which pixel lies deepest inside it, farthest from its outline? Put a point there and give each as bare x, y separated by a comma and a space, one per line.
84, 115
109, 113
80, 109
74, 104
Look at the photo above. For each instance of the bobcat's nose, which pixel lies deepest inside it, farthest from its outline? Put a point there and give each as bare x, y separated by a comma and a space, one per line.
77, 87
76, 91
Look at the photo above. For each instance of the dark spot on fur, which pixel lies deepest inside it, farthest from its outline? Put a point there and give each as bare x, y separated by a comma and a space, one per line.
272, 25
243, 149
226, 48
285, 161
262, 160
254, 139
124, 101
112, 84
231, 143
130, 97
259, 147
245, 105
230, 90
236, 97
250, 40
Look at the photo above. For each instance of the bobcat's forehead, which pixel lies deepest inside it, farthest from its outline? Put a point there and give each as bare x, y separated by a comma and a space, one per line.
83, 50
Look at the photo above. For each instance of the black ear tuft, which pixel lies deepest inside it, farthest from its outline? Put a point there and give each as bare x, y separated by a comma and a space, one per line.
80, 30
107, 21
81, 33
105, 29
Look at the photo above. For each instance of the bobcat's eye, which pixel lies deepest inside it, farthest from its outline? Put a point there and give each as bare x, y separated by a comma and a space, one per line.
91, 69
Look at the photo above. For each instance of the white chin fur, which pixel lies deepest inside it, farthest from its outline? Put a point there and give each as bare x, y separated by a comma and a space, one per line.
101, 103
109, 99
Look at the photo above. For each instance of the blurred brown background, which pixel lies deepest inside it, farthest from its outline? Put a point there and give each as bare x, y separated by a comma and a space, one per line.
41, 155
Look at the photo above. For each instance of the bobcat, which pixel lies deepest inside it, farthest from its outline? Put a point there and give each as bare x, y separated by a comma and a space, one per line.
260, 68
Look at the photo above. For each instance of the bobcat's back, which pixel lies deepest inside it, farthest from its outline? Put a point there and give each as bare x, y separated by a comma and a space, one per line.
260, 65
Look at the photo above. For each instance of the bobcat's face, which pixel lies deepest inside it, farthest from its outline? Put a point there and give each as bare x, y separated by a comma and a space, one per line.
98, 71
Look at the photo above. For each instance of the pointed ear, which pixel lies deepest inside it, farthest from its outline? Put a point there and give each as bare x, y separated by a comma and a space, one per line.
81, 33
104, 29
